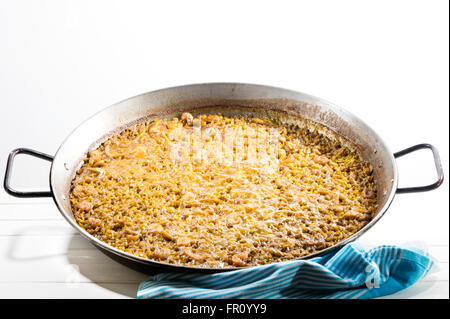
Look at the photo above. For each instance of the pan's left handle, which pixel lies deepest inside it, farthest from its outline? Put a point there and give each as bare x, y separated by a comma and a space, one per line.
9, 165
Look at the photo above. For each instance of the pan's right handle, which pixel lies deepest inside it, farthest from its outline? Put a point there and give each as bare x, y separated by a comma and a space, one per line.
437, 163
9, 165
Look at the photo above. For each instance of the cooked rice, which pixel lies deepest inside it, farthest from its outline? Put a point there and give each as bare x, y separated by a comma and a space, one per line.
216, 191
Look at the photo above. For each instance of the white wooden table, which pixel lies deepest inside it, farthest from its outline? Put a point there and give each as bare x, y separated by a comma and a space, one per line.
41, 256
62, 61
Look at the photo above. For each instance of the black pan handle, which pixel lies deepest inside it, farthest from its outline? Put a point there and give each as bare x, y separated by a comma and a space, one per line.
9, 165
437, 163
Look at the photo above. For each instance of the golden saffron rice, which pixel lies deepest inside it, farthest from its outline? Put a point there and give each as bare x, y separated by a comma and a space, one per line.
215, 191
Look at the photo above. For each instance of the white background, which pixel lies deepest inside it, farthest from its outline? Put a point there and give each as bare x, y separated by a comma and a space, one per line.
61, 61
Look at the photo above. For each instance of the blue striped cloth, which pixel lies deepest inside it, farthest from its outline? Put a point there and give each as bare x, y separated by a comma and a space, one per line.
351, 272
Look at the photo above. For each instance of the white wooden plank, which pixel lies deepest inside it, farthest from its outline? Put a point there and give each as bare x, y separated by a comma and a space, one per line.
37, 245
47, 259
22, 248
8, 199
43, 211
73, 270
36, 228
438, 252
423, 290
56, 290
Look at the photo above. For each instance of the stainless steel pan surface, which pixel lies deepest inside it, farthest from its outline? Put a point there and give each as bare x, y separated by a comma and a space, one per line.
228, 99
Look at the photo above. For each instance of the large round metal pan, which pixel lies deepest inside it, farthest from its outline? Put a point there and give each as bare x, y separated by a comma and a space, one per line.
228, 99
